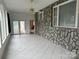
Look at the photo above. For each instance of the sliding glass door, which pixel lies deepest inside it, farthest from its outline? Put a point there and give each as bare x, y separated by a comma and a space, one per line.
22, 27
16, 27
19, 27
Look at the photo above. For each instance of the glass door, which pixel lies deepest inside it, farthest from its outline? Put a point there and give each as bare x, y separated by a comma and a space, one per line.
22, 27
16, 27
19, 27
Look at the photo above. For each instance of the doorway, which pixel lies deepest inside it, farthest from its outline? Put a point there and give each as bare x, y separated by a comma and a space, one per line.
32, 26
22, 27
16, 27
19, 27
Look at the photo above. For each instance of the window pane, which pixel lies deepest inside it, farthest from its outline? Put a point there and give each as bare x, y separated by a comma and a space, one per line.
3, 25
7, 32
55, 16
67, 14
0, 28
0, 33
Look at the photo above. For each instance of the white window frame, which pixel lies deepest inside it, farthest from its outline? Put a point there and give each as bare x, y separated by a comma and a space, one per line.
4, 24
0, 32
76, 18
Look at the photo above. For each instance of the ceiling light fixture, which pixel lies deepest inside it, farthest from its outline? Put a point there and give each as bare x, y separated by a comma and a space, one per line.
32, 7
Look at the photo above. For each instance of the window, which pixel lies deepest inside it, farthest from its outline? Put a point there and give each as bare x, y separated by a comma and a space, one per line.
65, 14
0, 29
55, 16
6, 19
3, 25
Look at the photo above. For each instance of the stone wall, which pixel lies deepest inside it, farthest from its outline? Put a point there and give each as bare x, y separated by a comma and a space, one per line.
66, 37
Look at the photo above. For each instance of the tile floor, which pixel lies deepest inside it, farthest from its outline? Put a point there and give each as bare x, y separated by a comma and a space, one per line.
35, 47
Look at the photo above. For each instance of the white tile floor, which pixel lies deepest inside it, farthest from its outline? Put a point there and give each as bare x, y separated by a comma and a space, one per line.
35, 47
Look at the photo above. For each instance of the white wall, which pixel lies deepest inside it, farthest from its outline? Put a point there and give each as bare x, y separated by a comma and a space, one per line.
20, 16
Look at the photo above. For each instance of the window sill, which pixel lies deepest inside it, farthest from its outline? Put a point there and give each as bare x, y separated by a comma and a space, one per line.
65, 27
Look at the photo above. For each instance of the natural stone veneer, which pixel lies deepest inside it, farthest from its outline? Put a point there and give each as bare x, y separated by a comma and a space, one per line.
66, 37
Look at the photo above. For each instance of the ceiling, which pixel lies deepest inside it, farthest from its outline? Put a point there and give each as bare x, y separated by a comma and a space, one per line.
17, 5
25, 5
0, 1
43, 3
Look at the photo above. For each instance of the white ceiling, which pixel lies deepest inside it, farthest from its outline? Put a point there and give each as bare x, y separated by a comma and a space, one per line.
0, 1
17, 5
25, 5
43, 3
